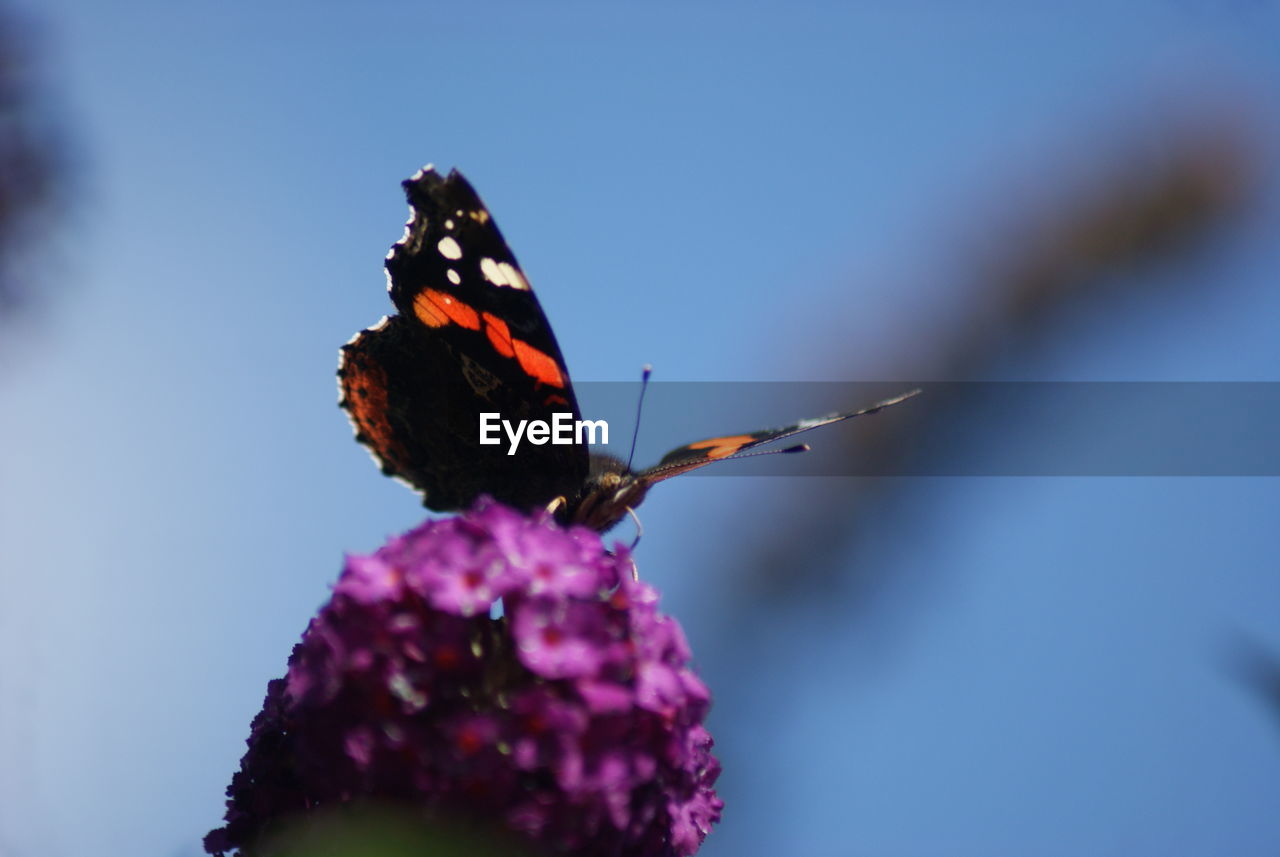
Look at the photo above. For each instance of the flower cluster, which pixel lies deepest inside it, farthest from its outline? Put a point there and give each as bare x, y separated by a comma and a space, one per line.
573, 719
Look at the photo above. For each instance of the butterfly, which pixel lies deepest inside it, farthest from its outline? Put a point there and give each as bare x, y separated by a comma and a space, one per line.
468, 339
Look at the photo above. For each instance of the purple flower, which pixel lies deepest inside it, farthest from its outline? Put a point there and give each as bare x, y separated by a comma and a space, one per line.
574, 720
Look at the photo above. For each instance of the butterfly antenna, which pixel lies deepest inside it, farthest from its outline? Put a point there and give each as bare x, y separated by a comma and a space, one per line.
635, 434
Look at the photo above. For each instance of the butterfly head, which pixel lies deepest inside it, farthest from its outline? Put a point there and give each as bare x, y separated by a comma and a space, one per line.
610, 490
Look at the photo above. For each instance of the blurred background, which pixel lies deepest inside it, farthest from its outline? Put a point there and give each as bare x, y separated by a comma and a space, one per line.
195, 201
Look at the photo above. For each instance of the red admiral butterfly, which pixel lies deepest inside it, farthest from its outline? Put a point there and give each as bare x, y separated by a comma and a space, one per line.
470, 338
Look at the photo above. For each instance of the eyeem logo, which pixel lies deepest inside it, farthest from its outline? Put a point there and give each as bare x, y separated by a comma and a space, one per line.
563, 429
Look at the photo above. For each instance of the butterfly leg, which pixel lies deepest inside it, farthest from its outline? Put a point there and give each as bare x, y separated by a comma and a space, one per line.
635, 570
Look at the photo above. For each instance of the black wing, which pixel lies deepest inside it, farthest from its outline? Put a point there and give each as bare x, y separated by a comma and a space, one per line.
470, 339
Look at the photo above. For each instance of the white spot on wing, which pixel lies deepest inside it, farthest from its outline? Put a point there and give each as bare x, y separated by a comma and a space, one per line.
503, 274
453, 276
449, 248
448, 224
489, 268
513, 276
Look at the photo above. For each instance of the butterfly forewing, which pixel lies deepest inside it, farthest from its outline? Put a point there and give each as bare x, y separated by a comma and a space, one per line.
470, 339
701, 453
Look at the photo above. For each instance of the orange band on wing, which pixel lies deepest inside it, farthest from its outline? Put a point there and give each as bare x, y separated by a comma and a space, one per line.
437, 309
499, 335
538, 364
722, 447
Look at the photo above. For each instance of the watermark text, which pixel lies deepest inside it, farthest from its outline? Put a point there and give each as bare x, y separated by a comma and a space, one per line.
563, 429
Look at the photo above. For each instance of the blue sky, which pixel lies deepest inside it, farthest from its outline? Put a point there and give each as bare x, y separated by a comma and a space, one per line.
731, 192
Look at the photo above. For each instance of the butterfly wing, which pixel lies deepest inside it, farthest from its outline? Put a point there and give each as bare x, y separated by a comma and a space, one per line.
701, 453
470, 338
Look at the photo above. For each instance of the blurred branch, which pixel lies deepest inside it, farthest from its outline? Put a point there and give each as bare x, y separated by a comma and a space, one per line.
30, 157
388, 830
1257, 669
1073, 248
